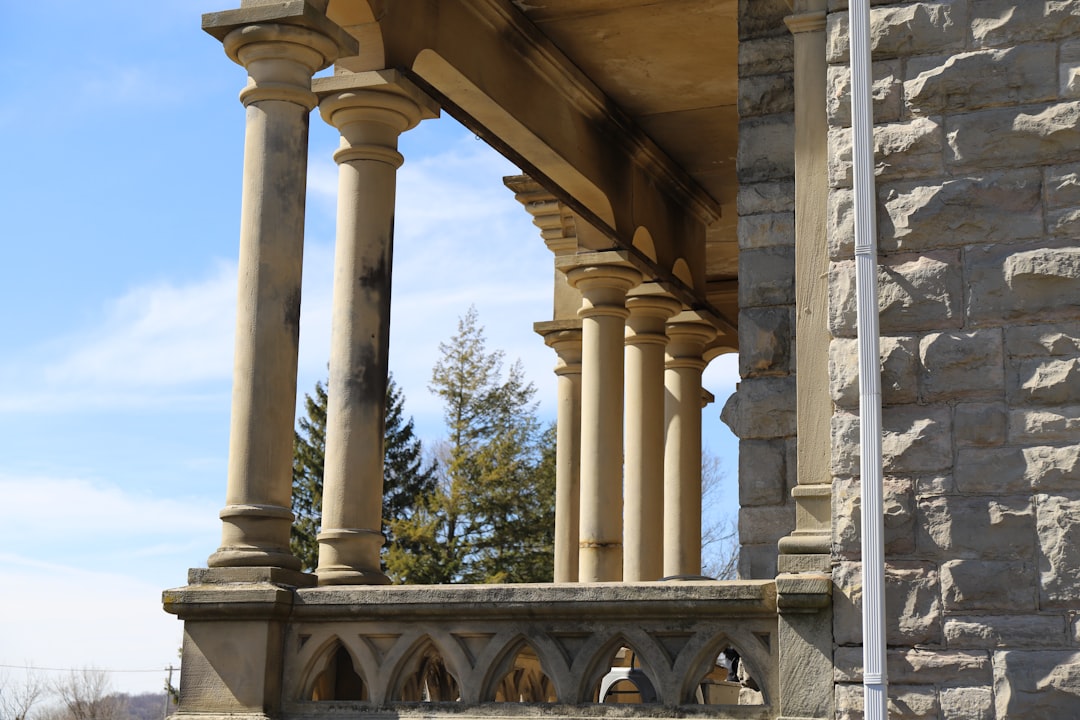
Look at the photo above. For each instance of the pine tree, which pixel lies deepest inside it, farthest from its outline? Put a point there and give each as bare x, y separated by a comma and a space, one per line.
309, 453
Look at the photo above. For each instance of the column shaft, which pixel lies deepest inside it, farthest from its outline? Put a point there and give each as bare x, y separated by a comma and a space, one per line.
567, 344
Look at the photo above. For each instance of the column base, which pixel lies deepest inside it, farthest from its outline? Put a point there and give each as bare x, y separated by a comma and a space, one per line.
252, 557
351, 576
350, 556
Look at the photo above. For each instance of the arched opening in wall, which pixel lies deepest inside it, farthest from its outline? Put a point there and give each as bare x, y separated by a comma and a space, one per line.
627, 680
525, 680
727, 682
339, 679
425, 678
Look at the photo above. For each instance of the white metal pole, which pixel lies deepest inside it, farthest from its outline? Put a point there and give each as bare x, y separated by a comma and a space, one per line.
875, 682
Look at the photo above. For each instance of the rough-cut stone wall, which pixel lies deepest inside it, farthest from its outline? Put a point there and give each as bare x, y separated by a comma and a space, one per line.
977, 105
762, 412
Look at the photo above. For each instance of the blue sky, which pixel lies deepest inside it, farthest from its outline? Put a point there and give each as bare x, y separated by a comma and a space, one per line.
120, 178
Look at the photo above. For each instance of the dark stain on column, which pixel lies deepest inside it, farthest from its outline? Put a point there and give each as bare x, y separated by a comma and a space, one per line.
291, 316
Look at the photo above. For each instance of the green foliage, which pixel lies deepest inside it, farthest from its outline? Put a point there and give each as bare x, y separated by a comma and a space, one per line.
309, 453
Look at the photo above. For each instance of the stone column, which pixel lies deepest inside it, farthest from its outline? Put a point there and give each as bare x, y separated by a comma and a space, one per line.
643, 514
808, 547
280, 53
371, 110
688, 333
565, 338
603, 279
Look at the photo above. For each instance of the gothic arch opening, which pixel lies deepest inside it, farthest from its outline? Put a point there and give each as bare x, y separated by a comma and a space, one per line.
425, 677
339, 679
525, 680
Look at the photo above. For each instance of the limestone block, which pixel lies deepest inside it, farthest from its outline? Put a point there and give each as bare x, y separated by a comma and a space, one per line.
906, 702
840, 227
766, 148
766, 94
844, 431
966, 703
979, 424
1044, 424
765, 341
994, 471
991, 207
884, 93
1063, 223
766, 197
757, 562
898, 500
963, 82
976, 527
767, 230
767, 277
1044, 381
1006, 631
762, 472
988, 585
1061, 340
915, 28
762, 408
1052, 469
1012, 283
910, 149
927, 485
899, 365
912, 602
1063, 183
767, 55
916, 438
918, 666
1014, 137
759, 18
1069, 69
1009, 22
766, 524
962, 365
1037, 684
1059, 548
915, 292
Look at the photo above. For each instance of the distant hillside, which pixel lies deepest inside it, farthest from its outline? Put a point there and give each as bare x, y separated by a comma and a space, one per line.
146, 706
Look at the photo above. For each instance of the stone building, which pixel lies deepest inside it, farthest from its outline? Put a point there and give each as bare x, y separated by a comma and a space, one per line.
689, 164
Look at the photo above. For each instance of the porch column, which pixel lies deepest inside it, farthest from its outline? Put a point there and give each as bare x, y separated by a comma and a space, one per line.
371, 110
688, 334
603, 279
643, 515
280, 53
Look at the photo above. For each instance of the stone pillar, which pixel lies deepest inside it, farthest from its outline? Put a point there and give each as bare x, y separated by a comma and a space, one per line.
808, 547
603, 279
371, 110
565, 338
280, 53
688, 333
643, 513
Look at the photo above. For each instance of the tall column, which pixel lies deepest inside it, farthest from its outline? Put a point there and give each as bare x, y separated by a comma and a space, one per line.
688, 334
643, 514
371, 110
280, 60
603, 279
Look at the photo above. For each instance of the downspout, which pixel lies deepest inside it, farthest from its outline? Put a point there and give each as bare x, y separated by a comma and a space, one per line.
875, 681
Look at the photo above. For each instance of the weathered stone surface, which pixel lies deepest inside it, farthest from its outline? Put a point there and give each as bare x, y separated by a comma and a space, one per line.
966, 703
1069, 69
762, 472
762, 408
916, 28
1044, 381
1063, 183
1061, 340
1053, 469
767, 230
910, 149
1006, 631
767, 277
966, 81
1059, 547
758, 18
911, 591
980, 424
999, 206
918, 666
757, 561
915, 439
884, 93
976, 527
766, 524
899, 364
1014, 137
766, 148
927, 485
906, 702
841, 224
981, 585
1012, 283
768, 94
1007, 22
1044, 425
996, 471
766, 197
766, 56
898, 502
1037, 684
764, 341
844, 432
962, 365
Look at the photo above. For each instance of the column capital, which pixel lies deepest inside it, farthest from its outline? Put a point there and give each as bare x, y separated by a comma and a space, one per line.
688, 334
294, 13
810, 21
383, 96
564, 337
649, 306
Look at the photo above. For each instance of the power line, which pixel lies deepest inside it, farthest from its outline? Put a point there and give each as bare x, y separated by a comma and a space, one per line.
80, 669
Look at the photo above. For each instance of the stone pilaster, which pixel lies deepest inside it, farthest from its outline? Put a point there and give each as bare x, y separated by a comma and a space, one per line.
688, 334
281, 47
370, 110
603, 279
808, 546
643, 513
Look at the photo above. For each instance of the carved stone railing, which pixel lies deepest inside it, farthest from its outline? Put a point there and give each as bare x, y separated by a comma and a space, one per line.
531, 650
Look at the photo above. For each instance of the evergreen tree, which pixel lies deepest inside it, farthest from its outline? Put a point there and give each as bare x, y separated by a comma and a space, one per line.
309, 454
